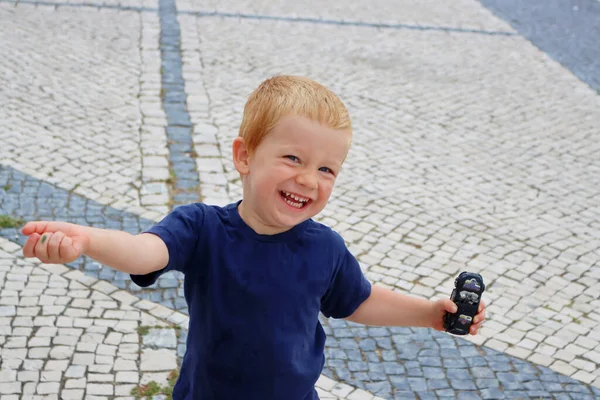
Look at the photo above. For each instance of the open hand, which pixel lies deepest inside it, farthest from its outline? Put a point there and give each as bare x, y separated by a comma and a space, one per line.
54, 242
446, 305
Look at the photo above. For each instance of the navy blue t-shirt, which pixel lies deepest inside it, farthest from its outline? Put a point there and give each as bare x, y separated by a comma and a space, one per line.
254, 302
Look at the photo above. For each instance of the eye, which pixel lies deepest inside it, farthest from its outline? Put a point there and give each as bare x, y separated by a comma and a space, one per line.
292, 158
326, 170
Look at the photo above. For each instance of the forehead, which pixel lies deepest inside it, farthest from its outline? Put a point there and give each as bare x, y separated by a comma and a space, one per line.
303, 131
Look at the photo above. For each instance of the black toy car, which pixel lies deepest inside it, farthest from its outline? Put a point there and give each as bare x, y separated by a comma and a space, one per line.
468, 288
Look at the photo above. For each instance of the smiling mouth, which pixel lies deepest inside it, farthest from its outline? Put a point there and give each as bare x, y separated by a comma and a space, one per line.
294, 200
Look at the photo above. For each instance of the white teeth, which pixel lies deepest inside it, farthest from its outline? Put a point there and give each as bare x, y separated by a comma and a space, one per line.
291, 203
299, 203
293, 196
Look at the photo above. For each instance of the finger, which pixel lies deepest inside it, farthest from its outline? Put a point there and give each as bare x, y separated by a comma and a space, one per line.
54, 246
481, 306
41, 248
68, 250
479, 317
28, 249
450, 306
45, 226
34, 227
474, 329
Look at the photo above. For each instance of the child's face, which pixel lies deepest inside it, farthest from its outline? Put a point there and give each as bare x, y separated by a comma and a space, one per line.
291, 174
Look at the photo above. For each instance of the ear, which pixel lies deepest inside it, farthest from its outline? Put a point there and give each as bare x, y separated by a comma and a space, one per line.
241, 158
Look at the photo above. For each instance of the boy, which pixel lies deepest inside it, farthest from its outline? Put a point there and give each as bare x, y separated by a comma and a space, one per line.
259, 271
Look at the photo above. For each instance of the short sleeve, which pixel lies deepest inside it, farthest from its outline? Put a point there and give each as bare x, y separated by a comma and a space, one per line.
348, 288
179, 230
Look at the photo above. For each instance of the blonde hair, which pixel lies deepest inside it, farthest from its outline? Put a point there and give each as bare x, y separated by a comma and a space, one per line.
290, 96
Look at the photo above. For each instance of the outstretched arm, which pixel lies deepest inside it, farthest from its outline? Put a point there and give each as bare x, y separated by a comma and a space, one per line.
385, 307
62, 242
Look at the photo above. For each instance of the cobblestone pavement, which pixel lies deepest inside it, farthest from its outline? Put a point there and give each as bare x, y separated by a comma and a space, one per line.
473, 150
567, 30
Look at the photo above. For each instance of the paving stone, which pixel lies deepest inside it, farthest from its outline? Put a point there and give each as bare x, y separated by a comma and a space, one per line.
99, 389
72, 394
127, 377
75, 371
158, 360
48, 388
161, 338
10, 388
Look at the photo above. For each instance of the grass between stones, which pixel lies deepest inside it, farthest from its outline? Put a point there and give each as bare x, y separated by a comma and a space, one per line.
6, 221
144, 329
152, 388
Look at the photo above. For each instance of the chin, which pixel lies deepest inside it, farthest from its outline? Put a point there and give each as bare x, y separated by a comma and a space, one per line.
291, 222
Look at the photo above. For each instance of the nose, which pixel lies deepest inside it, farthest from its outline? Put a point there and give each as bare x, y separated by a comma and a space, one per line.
308, 179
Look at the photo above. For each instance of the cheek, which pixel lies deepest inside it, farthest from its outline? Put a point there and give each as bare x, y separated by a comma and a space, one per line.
278, 174
325, 187
268, 178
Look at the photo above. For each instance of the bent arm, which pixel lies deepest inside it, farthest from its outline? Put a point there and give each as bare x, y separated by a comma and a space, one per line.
133, 254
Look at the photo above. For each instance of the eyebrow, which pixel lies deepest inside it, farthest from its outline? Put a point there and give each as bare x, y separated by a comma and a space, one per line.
293, 147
